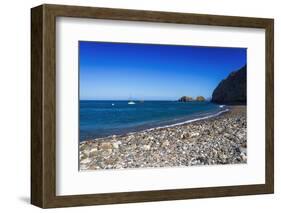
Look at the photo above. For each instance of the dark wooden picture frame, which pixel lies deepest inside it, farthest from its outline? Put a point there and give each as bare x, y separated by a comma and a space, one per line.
43, 105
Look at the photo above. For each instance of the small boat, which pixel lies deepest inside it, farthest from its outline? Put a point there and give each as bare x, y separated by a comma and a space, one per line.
130, 101
112, 104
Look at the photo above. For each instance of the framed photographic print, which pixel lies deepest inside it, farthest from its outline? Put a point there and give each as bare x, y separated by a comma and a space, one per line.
135, 106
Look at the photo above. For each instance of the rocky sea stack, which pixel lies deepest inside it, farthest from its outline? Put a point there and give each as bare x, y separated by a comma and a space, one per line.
188, 99
232, 90
185, 99
200, 98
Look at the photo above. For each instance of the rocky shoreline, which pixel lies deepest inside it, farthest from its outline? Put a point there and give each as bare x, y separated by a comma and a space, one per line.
218, 140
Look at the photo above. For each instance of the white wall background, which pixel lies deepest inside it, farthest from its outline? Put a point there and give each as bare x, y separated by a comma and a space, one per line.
15, 104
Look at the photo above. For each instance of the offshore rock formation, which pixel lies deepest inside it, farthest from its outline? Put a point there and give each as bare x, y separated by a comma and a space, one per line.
185, 99
188, 99
233, 89
200, 98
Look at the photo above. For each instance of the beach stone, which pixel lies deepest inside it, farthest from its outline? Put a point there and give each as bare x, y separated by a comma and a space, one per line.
82, 156
118, 166
85, 161
93, 152
194, 134
109, 166
207, 132
130, 137
220, 130
133, 146
86, 152
83, 146
150, 138
94, 167
243, 156
166, 143
116, 144
83, 167
146, 147
185, 135
105, 145
243, 150
108, 151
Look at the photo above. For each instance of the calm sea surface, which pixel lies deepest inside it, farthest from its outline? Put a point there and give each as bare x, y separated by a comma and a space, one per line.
104, 118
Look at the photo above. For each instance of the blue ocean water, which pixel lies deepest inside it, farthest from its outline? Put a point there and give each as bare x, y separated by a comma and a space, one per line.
104, 118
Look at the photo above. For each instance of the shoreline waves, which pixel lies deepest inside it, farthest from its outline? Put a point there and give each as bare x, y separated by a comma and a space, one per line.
214, 139
165, 126
99, 119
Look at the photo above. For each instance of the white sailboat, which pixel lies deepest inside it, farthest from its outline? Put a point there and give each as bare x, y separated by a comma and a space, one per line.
130, 101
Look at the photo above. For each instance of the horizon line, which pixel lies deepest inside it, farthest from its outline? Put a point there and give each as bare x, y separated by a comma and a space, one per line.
135, 100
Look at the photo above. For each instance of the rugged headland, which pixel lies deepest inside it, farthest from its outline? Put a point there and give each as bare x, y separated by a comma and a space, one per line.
233, 89
218, 140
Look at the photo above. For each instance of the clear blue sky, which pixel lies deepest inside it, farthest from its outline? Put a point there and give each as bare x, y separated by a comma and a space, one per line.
118, 71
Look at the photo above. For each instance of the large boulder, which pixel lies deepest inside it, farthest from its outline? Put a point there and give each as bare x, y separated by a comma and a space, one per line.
233, 89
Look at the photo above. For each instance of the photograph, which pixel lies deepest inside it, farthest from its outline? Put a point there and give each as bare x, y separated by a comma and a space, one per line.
139, 105
161, 105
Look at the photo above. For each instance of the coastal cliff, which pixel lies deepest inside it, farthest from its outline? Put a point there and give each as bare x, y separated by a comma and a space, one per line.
233, 89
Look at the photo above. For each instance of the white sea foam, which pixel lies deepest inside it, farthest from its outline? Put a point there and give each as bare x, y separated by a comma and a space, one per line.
188, 121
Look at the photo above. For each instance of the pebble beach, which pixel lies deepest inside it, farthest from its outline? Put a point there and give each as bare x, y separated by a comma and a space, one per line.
213, 141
